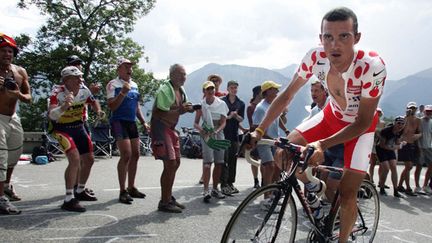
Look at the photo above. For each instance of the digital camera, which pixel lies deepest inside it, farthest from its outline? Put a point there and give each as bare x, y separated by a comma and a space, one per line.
10, 83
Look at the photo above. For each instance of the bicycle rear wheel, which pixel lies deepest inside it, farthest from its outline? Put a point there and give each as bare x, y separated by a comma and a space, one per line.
256, 219
366, 225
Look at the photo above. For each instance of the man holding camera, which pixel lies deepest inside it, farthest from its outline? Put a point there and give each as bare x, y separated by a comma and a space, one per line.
14, 86
409, 154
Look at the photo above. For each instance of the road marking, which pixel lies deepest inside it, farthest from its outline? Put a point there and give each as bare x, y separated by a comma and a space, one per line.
115, 220
425, 235
101, 237
397, 238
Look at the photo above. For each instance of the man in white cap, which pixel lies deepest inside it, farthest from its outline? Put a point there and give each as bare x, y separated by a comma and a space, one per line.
425, 144
123, 101
67, 103
409, 153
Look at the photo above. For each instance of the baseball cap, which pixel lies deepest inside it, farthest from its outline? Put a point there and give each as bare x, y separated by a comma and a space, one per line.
428, 108
123, 60
208, 84
73, 59
268, 85
399, 119
232, 82
70, 71
8, 41
411, 104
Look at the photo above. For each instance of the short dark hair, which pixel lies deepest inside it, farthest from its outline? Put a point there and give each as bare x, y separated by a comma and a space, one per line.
341, 14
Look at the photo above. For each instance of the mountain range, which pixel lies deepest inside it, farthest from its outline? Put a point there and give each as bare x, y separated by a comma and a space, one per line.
397, 93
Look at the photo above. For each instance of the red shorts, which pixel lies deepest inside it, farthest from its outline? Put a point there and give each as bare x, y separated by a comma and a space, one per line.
165, 142
356, 151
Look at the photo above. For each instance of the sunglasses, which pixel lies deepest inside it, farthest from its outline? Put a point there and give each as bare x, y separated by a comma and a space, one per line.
400, 123
210, 88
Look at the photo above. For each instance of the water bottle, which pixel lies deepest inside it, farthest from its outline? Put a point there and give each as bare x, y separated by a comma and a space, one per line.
315, 205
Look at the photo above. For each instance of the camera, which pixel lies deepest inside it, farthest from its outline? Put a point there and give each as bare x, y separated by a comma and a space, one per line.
196, 107
10, 83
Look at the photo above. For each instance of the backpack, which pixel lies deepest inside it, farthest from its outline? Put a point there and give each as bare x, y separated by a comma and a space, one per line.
39, 151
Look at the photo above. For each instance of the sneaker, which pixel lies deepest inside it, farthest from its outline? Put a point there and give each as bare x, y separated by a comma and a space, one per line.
401, 189
6, 207
397, 194
174, 201
234, 190
168, 208
73, 206
226, 190
11, 194
427, 189
85, 196
256, 184
217, 194
418, 190
133, 192
201, 181
207, 196
319, 189
384, 193
410, 193
88, 190
125, 197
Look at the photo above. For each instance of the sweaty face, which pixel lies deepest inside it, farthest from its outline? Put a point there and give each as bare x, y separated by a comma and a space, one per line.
178, 77
125, 71
338, 39
6, 55
318, 93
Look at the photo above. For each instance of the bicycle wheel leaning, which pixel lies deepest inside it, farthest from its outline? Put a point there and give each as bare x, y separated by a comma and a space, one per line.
366, 225
256, 219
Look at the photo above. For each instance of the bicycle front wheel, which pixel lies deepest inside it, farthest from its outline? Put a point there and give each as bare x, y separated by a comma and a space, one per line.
259, 219
366, 225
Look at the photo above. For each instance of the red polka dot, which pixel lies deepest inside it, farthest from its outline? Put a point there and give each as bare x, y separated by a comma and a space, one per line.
314, 58
310, 68
358, 72
338, 115
374, 92
350, 83
373, 54
323, 55
367, 85
308, 75
360, 54
304, 67
366, 68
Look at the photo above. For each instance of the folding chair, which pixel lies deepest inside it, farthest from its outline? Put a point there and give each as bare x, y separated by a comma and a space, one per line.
51, 144
102, 140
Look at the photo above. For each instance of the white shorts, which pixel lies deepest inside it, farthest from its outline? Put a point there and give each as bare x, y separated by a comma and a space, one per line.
11, 143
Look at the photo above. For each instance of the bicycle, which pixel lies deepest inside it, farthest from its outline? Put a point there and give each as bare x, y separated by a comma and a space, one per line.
258, 220
190, 143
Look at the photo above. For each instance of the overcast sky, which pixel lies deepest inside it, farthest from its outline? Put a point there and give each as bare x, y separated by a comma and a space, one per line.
270, 34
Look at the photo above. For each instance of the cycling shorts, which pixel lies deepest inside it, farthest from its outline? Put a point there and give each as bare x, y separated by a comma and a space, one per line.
73, 137
124, 129
357, 151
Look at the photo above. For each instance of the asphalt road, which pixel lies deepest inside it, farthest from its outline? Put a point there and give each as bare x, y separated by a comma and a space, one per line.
106, 220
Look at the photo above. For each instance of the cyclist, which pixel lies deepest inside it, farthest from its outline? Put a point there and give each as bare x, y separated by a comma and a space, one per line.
355, 80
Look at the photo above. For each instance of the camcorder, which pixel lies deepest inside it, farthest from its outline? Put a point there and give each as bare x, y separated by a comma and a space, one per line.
10, 84
196, 107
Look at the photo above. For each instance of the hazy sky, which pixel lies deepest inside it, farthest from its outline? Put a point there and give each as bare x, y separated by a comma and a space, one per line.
270, 34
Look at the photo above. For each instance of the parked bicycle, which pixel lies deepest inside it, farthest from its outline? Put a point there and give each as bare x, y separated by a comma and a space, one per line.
275, 220
190, 143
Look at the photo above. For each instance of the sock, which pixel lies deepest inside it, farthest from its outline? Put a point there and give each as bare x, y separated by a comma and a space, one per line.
69, 195
80, 188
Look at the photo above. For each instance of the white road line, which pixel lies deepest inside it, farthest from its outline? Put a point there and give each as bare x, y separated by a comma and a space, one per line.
425, 235
113, 222
101, 237
397, 238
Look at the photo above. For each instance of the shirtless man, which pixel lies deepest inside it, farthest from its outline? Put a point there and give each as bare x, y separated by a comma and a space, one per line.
350, 115
409, 154
14, 86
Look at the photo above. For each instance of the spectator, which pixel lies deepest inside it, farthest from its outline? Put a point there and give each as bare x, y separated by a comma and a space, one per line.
425, 144
14, 86
256, 98
236, 109
66, 111
214, 113
123, 101
171, 102
421, 111
374, 158
217, 80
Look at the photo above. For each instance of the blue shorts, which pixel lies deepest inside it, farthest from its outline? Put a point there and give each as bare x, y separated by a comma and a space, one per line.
266, 153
